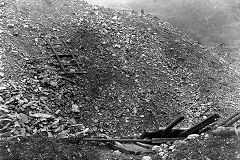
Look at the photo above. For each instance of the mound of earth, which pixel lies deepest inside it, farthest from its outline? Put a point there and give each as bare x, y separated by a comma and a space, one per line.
141, 73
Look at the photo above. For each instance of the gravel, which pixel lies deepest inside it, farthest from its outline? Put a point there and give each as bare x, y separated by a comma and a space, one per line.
142, 72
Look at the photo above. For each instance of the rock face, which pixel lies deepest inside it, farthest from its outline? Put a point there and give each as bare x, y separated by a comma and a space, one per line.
137, 61
141, 73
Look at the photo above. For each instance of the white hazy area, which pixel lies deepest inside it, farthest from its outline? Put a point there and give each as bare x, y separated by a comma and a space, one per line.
210, 22
110, 3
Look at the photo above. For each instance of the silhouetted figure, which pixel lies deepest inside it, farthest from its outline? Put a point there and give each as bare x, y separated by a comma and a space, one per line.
142, 11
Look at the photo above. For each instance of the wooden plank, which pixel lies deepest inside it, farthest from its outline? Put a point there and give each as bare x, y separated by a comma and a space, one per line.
195, 129
169, 128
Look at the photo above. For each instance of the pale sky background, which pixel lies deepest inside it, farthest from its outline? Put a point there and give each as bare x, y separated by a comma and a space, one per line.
109, 3
208, 21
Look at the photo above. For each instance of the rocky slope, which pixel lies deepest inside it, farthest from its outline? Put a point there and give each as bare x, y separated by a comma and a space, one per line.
141, 73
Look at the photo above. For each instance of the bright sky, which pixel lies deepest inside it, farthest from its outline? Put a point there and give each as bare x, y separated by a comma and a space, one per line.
108, 3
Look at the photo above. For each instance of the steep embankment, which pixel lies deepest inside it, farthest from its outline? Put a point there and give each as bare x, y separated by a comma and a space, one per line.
141, 73
137, 66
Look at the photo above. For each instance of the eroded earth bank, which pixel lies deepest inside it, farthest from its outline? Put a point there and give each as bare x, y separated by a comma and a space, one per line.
136, 72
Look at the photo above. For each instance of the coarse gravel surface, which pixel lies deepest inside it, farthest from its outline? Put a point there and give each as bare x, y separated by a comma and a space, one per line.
141, 73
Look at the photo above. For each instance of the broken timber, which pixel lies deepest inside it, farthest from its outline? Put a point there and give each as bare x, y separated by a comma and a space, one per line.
151, 141
169, 128
232, 121
168, 134
171, 134
64, 52
195, 129
229, 119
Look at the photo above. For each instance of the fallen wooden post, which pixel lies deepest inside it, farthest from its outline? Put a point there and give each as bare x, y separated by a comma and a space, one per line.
151, 141
226, 131
207, 128
227, 123
156, 134
232, 121
169, 128
195, 129
230, 118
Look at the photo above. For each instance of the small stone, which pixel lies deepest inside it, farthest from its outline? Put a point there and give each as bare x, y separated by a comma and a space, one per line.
192, 136
179, 142
237, 155
143, 55
10, 25
15, 33
35, 130
16, 132
72, 120
157, 148
116, 153
40, 115
23, 131
127, 119
135, 110
164, 145
80, 127
1, 99
2, 88
146, 158
50, 134
117, 46
27, 104
197, 114
104, 31
53, 83
85, 131
57, 112
161, 154
4, 108
206, 136
72, 70
26, 26
104, 42
22, 101
115, 18
2, 4
164, 157
68, 41
172, 147
75, 108
96, 7
23, 117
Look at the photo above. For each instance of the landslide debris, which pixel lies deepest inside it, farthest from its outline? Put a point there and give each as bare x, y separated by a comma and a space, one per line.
142, 73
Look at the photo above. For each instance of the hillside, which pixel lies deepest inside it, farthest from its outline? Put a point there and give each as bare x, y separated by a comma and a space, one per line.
140, 73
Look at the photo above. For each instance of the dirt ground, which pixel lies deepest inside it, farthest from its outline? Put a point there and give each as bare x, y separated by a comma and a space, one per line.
141, 73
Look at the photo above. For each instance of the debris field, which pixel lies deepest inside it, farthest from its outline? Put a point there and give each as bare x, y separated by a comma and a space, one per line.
73, 71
